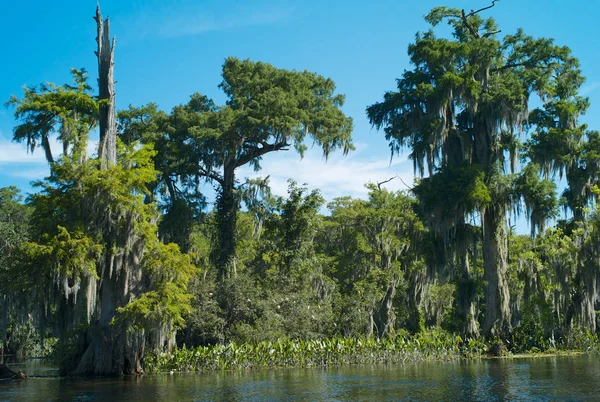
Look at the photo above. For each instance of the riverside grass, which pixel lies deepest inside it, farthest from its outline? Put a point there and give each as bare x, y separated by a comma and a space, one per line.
434, 345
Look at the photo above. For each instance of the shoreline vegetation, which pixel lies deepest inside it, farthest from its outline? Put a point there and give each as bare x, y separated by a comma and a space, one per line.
433, 345
334, 352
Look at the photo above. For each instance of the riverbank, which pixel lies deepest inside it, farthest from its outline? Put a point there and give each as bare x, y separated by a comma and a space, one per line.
436, 345
553, 378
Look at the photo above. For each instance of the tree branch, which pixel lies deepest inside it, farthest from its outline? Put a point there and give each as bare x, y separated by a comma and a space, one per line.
403, 182
392, 178
527, 63
212, 176
465, 18
385, 181
473, 12
258, 152
488, 34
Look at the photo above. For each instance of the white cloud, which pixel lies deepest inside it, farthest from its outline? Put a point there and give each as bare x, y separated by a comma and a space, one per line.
339, 176
16, 161
11, 152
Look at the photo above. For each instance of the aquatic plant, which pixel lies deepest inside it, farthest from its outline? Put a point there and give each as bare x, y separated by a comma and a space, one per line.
432, 345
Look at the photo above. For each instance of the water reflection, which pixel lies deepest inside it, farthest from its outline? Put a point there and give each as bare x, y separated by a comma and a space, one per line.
548, 378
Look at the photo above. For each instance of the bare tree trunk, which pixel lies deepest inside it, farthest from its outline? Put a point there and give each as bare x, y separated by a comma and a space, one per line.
107, 150
370, 324
108, 348
497, 317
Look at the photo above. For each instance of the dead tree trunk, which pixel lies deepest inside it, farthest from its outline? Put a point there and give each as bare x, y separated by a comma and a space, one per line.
107, 348
107, 151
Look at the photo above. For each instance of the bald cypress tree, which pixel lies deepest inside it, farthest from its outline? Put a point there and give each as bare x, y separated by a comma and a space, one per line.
562, 147
268, 110
461, 110
94, 255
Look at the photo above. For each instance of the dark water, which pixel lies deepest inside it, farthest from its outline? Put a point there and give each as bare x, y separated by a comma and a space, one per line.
545, 378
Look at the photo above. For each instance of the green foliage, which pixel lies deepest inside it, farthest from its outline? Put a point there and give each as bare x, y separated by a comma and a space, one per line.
18, 332
68, 110
539, 196
452, 191
267, 110
437, 302
14, 226
166, 300
434, 345
284, 106
372, 245
88, 220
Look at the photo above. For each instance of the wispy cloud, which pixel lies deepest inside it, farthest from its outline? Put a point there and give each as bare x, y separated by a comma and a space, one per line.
17, 153
33, 173
11, 152
16, 161
187, 20
339, 176
588, 89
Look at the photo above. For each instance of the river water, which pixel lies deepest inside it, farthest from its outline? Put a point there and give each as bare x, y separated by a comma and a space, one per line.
542, 378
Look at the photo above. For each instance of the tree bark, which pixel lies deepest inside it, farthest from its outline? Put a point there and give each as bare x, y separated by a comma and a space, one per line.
497, 317
4, 321
107, 150
385, 317
112, 349
370, 324
227, 220
465, 287
588, 296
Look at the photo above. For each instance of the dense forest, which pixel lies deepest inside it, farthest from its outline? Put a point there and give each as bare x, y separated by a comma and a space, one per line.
119, 254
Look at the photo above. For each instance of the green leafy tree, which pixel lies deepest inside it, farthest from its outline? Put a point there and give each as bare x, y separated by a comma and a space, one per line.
465, 102
16, 300
291, 267
68, 111
114, 287
177, 187
267, 110
562, 146
94, 242
374, 244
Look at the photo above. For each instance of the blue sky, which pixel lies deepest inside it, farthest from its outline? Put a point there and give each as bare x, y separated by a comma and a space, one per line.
167, 50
